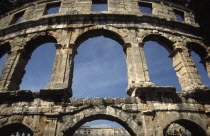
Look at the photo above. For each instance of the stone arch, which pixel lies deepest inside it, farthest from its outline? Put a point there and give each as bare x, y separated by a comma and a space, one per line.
202, 61
165, 42
13, 128
95, 32
36, 41
31, 45
73, 129
130, 121
197, 48
99, 32
193, 127
166, 49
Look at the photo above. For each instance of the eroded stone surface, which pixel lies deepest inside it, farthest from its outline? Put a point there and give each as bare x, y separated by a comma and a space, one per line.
148, 112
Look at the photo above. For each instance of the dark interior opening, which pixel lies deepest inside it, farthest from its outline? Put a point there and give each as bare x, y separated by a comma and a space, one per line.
16, 129
179, 15
52, 8
99, 5
145, 7
17, 17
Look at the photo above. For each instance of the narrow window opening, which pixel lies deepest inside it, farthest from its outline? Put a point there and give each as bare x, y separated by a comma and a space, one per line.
145, 7
2, 62
99, 5
4, 50
17, 18
52, 8
179, 15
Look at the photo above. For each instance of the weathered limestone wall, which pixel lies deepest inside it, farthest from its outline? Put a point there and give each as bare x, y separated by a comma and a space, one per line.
148, 112
35, 10
132, 40
48, 118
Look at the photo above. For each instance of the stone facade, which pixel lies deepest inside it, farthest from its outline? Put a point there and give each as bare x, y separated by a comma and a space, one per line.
88, 131
150, 109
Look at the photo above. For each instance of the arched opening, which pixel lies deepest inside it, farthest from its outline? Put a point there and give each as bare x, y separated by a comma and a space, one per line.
41, 52
167, 44
100, 66
184, 127
198, 53
99, 32
159, 64
16, 129
4, 50
73, 130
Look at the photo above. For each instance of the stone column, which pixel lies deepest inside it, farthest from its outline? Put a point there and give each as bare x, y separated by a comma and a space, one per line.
51, 127
13, 71
185, 69
207, 62
62, 74
138, 75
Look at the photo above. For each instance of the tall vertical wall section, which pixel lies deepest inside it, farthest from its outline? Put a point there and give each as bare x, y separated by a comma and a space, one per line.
148, 111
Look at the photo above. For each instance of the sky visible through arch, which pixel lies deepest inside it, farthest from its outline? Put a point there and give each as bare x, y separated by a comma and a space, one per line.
100, 70
100, 63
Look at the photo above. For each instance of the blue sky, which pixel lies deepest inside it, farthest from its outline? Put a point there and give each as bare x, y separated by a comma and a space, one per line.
100, 68
160, 66
39, 68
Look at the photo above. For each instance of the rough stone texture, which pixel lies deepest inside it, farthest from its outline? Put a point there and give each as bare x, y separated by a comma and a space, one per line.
149, 111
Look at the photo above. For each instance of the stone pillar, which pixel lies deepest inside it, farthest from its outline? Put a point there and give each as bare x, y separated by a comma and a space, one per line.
138, 75
207, 62
13, 71
62, 74
208, 65
51, 127
185, 69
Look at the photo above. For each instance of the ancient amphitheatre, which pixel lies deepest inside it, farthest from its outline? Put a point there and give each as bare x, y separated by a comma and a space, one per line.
149, 111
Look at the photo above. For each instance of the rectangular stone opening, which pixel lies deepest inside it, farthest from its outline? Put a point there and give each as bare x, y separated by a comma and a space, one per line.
145, 8
99, 5
179, 15
52, 8
17, 18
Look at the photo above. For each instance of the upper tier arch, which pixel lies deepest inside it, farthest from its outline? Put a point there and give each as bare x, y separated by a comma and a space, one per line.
99, 32
197, 48
38, 40
166, 43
